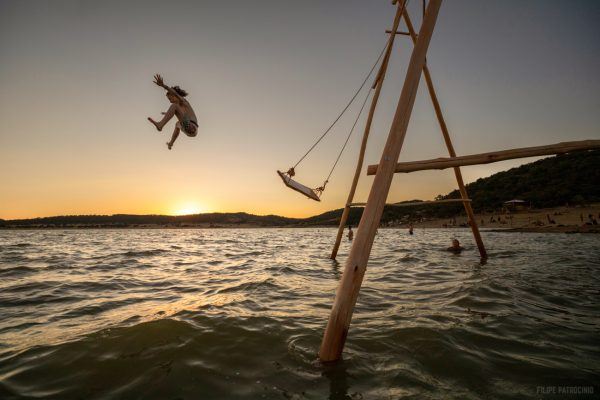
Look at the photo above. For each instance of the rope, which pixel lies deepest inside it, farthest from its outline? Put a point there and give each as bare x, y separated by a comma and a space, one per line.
345, 108
348, 138
322, 188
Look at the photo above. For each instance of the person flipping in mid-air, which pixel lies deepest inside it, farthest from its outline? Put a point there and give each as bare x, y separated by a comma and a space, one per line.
181, 108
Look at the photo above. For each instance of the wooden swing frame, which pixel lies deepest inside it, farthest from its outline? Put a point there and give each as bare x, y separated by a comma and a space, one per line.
402, 13
340, 317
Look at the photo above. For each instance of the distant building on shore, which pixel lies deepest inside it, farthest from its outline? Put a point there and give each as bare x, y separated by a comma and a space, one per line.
516, 204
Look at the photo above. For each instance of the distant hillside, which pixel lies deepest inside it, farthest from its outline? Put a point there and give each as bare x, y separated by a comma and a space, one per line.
554, 181
569, 178
126, 220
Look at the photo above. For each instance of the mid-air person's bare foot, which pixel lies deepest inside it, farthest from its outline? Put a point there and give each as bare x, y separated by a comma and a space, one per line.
155, 124
169, 145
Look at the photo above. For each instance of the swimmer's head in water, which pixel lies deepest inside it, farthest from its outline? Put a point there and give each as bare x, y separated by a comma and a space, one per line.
455, 243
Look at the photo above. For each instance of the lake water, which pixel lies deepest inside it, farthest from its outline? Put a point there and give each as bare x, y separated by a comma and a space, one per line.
228, 313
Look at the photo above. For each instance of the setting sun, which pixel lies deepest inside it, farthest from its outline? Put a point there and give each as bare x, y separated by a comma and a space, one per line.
189, 208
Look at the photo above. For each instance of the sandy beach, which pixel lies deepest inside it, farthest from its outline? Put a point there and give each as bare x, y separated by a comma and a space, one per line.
557, 219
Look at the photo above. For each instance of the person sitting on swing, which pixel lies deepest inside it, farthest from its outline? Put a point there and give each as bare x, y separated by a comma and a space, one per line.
181, 108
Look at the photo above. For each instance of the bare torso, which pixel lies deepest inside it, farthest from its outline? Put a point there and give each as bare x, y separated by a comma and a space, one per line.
181, 108
185, 111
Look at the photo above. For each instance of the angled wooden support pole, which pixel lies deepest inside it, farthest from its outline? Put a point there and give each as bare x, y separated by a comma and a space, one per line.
459, 179
356, 264
363, 146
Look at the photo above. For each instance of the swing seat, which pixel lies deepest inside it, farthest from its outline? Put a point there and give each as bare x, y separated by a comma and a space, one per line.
298, 187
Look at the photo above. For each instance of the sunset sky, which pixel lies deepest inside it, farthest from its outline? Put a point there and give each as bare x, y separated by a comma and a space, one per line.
266, 77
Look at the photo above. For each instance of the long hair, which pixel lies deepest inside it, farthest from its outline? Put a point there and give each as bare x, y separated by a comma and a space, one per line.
179, 91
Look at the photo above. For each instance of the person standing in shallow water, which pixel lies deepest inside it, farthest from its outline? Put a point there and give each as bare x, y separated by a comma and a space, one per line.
350, 233
181, 108
410, 229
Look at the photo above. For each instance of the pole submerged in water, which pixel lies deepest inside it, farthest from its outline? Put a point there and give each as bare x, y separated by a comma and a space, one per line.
356, 264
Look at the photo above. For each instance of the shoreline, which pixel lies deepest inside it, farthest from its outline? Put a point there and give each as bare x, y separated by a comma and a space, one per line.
544, 220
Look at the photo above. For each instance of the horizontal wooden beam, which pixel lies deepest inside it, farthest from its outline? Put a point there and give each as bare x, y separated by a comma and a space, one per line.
416, 203
398, 32
492, 157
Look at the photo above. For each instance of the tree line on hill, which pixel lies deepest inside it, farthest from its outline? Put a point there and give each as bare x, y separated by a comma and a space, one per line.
128, 220
555, 181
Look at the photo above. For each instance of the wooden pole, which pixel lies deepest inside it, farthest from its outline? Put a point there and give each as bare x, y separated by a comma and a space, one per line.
416, 203
446, 134
385, 62
363, 145
492, 157
356, 264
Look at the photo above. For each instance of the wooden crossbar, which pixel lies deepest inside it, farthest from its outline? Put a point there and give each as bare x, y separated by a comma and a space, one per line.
398, 32
416, 203
491, 157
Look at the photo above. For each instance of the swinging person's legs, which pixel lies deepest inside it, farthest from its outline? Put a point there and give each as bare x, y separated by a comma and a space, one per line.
174, 137
168, 115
